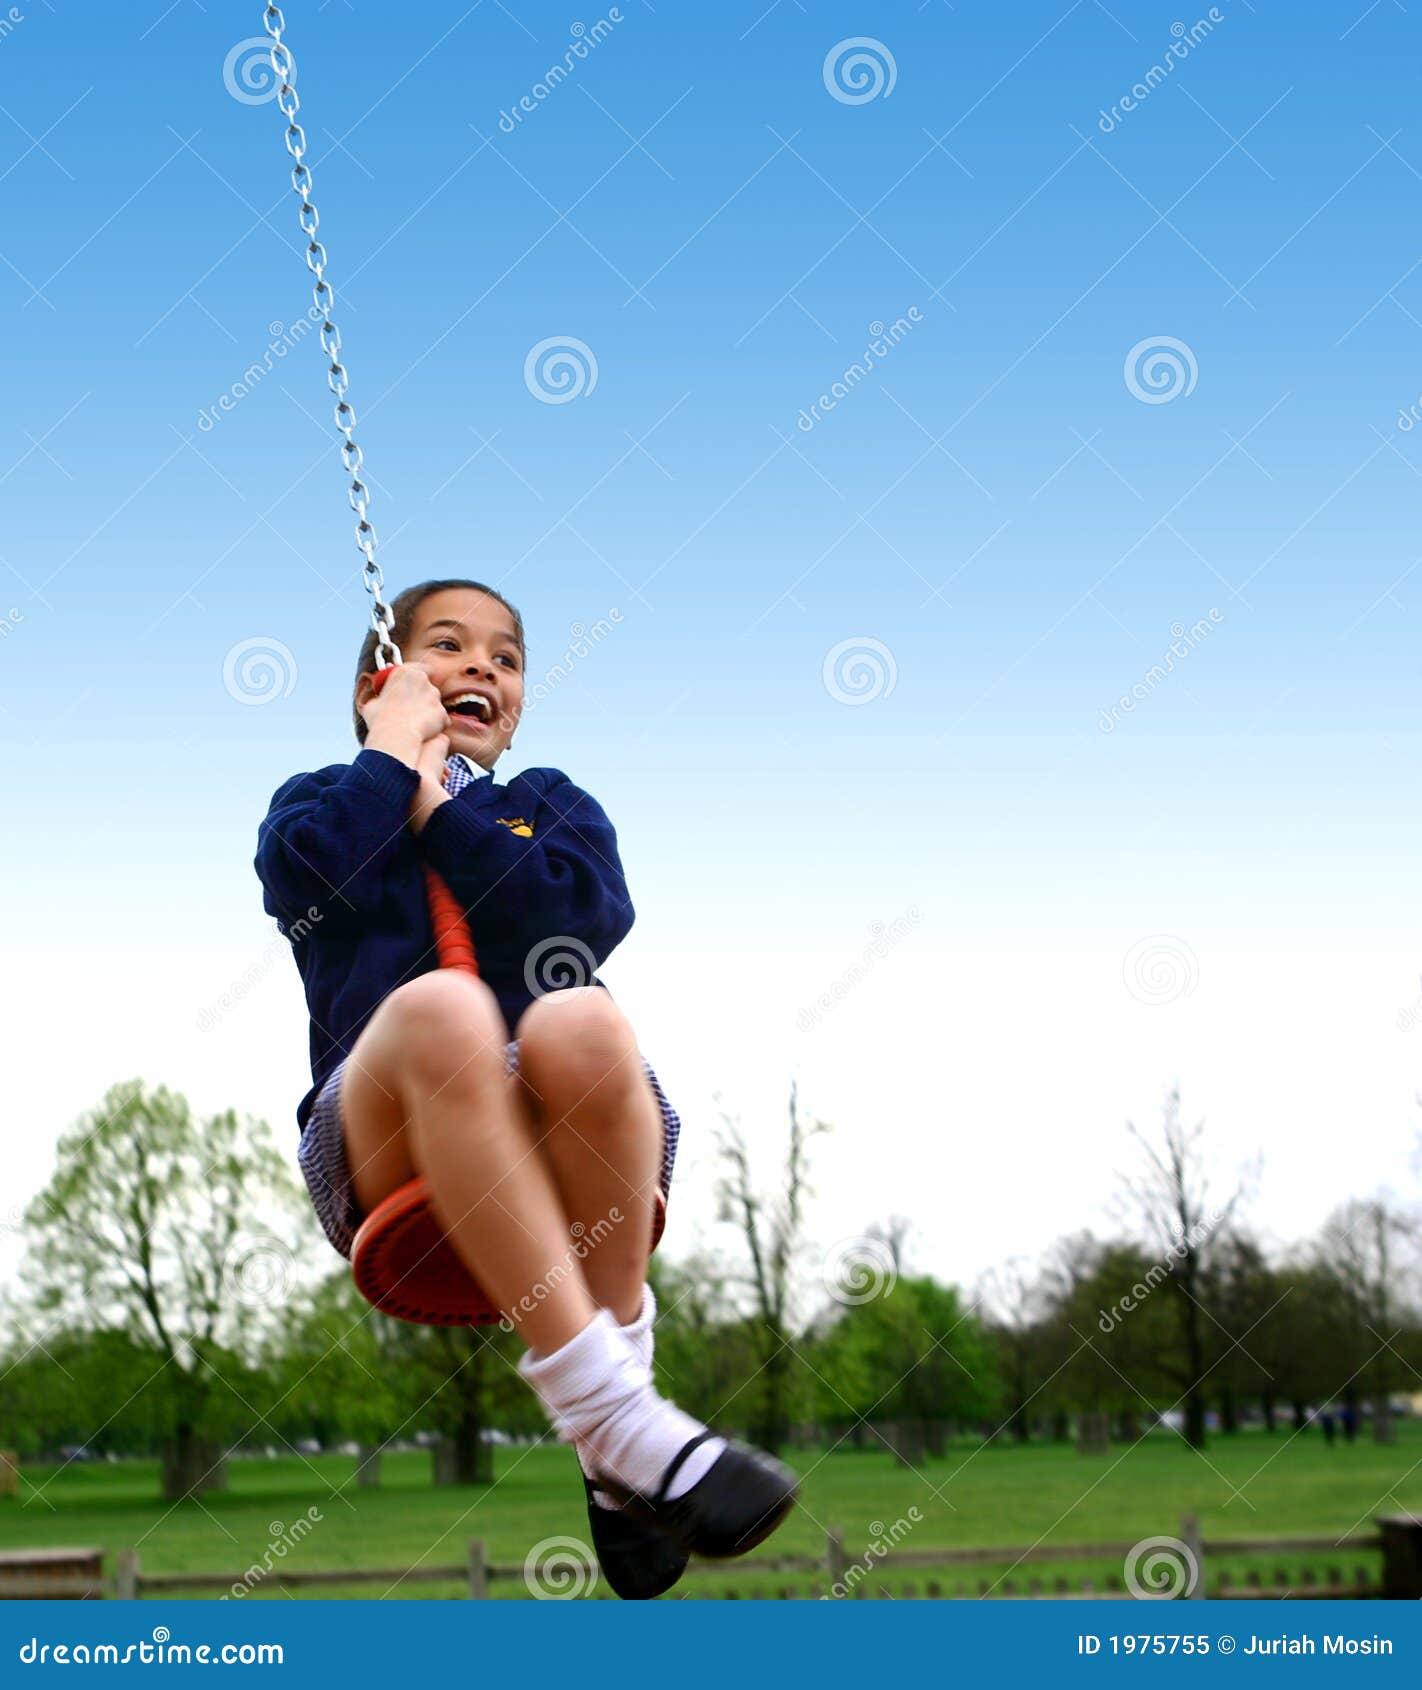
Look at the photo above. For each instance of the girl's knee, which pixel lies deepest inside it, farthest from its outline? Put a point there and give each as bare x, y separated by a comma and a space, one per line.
446, 1023
580, 1036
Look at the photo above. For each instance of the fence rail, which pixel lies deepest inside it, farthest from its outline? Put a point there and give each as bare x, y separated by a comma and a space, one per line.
78, 1573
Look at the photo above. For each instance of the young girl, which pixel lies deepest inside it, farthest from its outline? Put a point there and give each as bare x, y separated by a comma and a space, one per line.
560, 1134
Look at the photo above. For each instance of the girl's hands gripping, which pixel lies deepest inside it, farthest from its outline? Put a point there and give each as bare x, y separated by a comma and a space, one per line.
430, 794
406, 713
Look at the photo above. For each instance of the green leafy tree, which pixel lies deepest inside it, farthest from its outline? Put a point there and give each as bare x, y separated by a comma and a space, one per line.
906, 1358
182, 1233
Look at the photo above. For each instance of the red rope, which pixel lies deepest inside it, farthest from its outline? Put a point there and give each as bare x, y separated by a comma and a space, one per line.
454, 944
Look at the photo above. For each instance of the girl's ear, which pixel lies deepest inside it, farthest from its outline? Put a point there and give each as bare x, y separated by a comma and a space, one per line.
365, 691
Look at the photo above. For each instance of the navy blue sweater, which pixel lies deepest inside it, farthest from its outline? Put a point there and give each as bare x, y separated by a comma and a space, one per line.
344, 876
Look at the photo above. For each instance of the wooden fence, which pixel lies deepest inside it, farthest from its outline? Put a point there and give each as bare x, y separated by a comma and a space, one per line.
1182, 1571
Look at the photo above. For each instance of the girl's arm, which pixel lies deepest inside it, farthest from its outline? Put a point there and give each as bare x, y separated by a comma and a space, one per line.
329, 837
565, 878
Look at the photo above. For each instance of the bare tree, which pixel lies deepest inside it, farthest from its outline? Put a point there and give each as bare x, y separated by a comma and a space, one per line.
1171, 1201
773, 1230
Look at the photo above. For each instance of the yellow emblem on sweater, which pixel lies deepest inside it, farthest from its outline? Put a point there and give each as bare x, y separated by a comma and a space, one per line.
519, 826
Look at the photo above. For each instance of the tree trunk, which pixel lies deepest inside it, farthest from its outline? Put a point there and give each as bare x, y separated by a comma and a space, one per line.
1093, 1432
772, 1418
1271, 1411
368, 1467
1061, 1426
1229, 1411
935, 1438
191, 1466
905, 1440
462, 1459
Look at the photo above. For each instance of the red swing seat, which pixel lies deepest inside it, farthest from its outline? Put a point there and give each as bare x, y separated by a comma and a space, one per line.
406, 1267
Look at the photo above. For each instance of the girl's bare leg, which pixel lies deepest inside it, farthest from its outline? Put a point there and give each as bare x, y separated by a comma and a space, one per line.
601, 1134
425, 1091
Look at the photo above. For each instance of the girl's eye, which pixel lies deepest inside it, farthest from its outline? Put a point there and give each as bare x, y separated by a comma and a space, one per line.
505, 658
446, 641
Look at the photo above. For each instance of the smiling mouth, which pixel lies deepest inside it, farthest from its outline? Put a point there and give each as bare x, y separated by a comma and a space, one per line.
471, 710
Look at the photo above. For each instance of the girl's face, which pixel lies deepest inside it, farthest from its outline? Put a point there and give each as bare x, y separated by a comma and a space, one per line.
467, 643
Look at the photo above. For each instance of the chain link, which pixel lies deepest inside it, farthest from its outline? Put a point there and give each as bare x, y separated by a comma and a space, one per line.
381, 617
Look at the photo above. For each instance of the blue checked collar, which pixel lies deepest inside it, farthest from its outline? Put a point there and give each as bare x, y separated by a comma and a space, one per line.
461, 771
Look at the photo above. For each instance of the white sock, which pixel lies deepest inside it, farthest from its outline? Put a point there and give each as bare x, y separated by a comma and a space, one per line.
598, 1389
639, 1334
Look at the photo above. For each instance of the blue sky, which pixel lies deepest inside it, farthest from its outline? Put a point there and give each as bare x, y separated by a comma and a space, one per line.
1001, 517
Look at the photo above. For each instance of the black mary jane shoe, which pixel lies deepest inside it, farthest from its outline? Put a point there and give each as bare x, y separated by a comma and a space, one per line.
638, 1560
736, 1504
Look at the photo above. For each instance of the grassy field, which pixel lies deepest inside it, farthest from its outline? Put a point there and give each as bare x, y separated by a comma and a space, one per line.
1252, 1485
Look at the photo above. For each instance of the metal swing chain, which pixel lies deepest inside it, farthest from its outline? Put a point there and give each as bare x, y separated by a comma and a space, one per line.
381, 616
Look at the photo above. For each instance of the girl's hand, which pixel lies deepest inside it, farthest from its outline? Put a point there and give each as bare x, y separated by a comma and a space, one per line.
406, 713
430, 793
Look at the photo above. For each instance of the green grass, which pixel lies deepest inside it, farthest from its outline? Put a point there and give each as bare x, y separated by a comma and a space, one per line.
1252, 1485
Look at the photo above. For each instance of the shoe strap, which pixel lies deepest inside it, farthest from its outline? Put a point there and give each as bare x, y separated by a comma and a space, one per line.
679, 1458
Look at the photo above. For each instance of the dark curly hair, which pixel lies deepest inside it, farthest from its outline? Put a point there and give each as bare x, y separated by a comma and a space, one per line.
402, 618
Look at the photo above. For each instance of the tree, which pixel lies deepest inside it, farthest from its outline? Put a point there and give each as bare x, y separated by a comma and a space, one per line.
706, 1352
333, 1369
1243, 1289
1171, 1200
908, 1357
1015, 1318
159, 1225
773, 1231
1369, 1247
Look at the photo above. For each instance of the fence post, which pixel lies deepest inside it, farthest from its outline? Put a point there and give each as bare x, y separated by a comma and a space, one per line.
1402, 1555
835, 1559
478, 1571
126, 1584
1194, 1540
